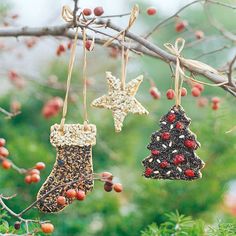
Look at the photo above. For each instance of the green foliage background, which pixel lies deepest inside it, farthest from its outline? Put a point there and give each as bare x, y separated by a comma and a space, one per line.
143, 201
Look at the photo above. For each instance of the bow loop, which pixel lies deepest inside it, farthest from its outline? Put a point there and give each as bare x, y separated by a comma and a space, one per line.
176, 49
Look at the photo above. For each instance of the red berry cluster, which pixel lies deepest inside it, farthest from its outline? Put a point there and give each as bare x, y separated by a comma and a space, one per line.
71, 194
33, 175
215, 103
197, 89
170, 93
4, 153
107, 177
97, 11
52, 107
181, 25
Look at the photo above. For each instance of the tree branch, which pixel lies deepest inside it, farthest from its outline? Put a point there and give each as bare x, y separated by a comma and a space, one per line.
143, 46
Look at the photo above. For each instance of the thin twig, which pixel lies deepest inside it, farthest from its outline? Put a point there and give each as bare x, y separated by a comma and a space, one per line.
169, 18
231, 64
212, 52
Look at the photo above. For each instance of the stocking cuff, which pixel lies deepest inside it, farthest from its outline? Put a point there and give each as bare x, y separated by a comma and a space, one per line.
74, 134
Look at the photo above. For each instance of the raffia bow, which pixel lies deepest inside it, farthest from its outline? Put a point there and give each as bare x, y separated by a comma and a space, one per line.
176, 50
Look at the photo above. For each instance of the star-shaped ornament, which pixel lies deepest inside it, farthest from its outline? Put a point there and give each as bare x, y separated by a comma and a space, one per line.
120, 101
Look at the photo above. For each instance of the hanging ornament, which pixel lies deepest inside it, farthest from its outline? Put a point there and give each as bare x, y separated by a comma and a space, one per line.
173, 146
73, 169
121, 102
73, 165
121, 96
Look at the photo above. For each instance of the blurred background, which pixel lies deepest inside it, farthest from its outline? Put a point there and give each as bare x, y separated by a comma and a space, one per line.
43, 73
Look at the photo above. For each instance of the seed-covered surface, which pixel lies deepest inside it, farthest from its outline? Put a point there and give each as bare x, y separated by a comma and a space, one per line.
173, 149
72, 163
73, 134
121, 102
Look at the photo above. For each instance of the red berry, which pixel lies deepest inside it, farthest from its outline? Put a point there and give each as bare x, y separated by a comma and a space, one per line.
183, 92
80, 195
170, 94
47, 228
4, 152
199, 34
215, 106
2, 142
195, 92
108, 186
151, 11
148, 171
199, 86
71, 193
171, 118
107, 176
190, 143
87, 11
155, 152
34, 171
98, 11
179, 125
118, 187
40, 166
189, 173
180, 26
6, 164
61, 200
164, 164
88, 45
154, 92
28, 179
215, 99
35, 178
165, 135
179, 158
61, 48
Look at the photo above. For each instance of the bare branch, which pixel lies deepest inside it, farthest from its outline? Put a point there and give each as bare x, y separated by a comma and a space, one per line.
231, 64
212, 52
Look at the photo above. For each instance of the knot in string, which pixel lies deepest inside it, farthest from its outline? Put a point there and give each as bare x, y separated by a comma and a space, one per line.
176, 49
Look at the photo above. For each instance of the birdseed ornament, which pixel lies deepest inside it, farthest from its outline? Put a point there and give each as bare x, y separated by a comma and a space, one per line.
173, 146
173, 149
121, 102
73, 168
73, 162
121, 96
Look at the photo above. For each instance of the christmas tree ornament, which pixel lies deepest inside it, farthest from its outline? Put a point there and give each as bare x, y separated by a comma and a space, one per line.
120, 101
73, 169
172, 148
121, 96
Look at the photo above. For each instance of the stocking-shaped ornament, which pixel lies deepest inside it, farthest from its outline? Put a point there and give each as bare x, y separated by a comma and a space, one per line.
73, 164
173, 149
